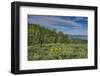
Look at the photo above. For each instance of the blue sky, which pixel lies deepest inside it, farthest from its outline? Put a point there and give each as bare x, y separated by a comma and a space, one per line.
73, 25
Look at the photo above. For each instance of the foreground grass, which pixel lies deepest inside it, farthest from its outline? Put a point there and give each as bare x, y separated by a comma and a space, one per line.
57, 51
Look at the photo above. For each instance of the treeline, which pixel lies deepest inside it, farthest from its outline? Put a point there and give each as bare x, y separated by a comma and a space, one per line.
39, 35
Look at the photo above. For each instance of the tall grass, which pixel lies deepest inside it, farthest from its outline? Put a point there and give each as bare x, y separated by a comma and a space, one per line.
57, 51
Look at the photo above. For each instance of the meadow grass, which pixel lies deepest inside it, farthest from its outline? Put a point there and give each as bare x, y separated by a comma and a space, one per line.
57, 51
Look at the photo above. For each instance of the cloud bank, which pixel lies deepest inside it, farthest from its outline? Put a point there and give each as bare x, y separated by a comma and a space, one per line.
68, 25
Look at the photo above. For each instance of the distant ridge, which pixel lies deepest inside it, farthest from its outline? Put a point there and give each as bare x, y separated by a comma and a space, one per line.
83, 37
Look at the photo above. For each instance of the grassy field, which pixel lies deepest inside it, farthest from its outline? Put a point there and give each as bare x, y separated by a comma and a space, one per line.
56, 51
48, 44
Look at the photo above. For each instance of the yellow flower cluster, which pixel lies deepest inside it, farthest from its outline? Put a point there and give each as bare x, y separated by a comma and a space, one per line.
55, 49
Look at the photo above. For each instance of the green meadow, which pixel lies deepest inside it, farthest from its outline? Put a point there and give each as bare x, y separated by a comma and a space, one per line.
48, 44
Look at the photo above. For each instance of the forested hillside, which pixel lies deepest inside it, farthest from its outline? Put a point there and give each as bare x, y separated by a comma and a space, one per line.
41, 35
